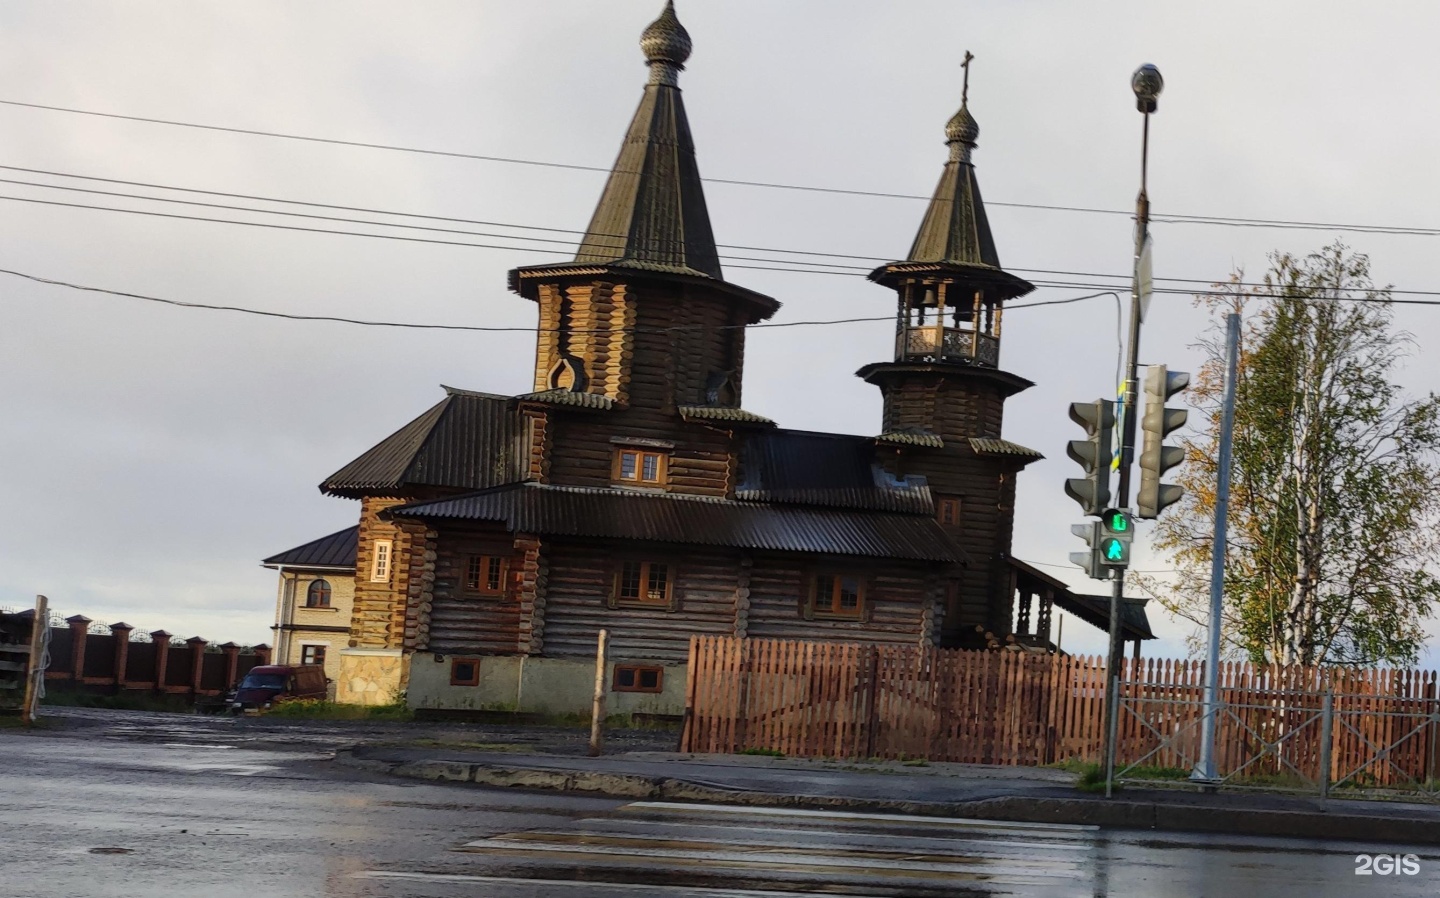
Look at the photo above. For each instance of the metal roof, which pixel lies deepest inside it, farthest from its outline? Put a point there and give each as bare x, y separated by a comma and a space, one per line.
830, 469
921, 438
573, 398
652, 212
334, 551
954, 237
468, 440
666, 518
1094, 610
987, 446
719, 413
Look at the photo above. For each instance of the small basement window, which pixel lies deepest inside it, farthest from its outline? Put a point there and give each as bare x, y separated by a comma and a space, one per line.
642, 583
638, 678
838, 595
641, 467
465, 672
485, 574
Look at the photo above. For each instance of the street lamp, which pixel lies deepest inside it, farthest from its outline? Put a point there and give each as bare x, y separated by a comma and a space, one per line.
1147, 84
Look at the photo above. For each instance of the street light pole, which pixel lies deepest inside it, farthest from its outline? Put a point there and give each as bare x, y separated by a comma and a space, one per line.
1147, 84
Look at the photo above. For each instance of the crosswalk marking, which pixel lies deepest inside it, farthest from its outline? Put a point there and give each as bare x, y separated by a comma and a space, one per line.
956, 822
772, 857
590, 887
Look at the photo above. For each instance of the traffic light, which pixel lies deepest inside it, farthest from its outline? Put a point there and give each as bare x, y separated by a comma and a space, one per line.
1093, 453
1089, 560
1157, 423
1117, 533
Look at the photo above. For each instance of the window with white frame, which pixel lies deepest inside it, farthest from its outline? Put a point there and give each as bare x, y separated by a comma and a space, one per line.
381, 560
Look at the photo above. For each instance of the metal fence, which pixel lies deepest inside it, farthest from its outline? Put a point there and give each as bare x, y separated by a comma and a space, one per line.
1328, 743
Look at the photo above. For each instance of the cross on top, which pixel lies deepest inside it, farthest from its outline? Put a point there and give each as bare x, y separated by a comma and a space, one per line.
965, 87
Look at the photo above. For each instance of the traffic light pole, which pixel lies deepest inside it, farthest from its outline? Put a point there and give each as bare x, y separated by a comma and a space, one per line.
1114, 658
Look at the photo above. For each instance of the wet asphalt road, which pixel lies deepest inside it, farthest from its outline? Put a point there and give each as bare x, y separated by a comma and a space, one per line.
160, 805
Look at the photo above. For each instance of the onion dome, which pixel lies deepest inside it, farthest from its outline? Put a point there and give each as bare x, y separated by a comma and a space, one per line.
962, 127
666, 40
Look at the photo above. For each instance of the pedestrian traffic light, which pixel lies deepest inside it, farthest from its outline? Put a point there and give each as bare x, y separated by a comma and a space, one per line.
1089, 560
1117, 533
1093, 453
1157, 423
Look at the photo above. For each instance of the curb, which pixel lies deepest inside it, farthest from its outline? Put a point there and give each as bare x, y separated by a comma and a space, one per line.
1112, 813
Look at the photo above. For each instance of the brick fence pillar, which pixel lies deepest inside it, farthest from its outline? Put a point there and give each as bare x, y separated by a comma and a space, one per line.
79, 629
162, 657
121, 634
232, 663
262, 653
197, 662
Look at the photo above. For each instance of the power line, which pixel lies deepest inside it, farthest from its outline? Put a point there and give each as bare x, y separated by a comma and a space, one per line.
1173, 218
819, 267
453, 327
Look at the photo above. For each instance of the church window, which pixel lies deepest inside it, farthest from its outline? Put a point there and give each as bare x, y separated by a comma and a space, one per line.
640, 467
485, 574
838, 596
380, 562
642, 583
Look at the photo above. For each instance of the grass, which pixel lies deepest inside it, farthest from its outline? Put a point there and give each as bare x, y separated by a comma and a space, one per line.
319, 709
1092, 778
764, 752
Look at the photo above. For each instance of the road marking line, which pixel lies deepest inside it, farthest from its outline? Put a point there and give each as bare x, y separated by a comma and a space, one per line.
894, 865
591, 886
608, 828
702, 809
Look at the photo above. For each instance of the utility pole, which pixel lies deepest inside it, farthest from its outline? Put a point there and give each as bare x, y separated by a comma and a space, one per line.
1205, 769
1147, 84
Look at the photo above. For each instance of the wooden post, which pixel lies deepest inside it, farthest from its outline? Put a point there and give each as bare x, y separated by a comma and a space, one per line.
597, 712
39, 638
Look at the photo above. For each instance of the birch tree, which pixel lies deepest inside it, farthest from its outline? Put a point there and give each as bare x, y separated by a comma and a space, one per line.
1332, 522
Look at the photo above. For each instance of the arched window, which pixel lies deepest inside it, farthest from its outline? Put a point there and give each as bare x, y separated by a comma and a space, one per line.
318, 595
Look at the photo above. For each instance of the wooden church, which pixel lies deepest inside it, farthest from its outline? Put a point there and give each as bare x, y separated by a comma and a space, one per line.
632, 491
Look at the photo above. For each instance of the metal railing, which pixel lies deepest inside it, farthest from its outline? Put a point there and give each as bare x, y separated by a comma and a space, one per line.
1323, 743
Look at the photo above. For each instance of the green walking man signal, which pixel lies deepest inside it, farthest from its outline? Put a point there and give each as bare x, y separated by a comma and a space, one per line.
1117, 532
1110, 539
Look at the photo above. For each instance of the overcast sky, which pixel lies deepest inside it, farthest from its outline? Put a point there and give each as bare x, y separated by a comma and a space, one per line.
154, 455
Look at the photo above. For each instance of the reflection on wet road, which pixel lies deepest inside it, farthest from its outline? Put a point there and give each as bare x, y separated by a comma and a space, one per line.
106, 816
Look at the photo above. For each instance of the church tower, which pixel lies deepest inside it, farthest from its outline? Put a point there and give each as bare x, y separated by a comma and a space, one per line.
944, 392
643, 316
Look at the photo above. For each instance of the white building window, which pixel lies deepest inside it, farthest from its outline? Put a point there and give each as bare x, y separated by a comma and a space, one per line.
380, 565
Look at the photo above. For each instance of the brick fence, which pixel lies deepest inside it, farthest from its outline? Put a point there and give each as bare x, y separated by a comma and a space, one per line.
114, 662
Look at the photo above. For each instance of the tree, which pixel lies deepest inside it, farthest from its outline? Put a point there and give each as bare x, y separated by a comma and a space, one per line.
1333, 503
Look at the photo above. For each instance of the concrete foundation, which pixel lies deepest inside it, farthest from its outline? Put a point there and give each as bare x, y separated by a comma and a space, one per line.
538, 685
371, 676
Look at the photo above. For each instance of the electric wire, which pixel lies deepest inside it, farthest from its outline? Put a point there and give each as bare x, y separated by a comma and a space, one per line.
1171, 218
1122, 279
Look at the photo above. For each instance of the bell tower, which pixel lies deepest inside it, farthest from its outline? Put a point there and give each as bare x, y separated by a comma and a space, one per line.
951, 291
944, 391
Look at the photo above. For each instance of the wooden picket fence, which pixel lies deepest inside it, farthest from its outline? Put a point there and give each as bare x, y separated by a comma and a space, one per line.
845, 700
